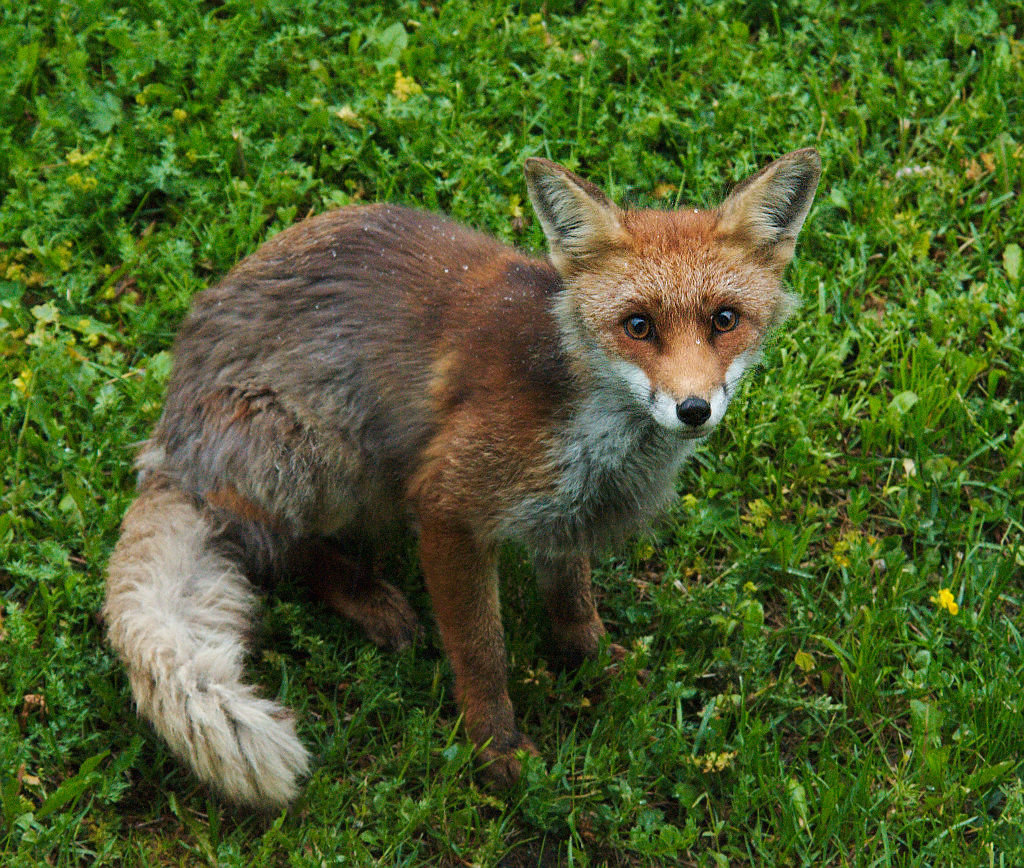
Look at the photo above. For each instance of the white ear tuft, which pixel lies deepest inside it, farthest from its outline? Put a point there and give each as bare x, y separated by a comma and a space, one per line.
579, 220
768, 209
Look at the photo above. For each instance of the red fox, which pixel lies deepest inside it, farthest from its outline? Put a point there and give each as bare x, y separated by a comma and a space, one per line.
378, 367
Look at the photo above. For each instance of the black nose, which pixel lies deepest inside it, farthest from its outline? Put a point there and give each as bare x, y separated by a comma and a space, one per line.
693, 411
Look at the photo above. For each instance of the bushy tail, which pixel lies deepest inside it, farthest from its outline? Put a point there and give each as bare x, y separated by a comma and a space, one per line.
177, 613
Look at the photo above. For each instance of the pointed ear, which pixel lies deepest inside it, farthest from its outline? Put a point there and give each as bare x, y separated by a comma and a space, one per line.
767, 210
580, 222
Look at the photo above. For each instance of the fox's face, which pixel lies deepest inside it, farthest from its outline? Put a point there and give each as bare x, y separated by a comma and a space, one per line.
673, 307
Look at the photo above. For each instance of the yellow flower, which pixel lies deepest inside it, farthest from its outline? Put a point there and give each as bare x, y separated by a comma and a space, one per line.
946, 601
83, 184
713, 761
347, 115
22, 381
405, 86
179, 115
758, 513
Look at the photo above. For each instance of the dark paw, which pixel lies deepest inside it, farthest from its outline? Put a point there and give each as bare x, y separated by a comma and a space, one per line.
378, 607
617, 653
501, 767
389, 620
572, 645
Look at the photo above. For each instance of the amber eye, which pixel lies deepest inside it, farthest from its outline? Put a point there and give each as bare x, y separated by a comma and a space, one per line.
639, 327
725, 320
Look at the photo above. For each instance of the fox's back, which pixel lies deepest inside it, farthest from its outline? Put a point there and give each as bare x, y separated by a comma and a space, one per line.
342, 346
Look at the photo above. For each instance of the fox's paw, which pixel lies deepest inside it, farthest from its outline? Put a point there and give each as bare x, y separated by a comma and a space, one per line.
352, 586
617, 653
572, 644
501, 766
378, 607
387, 618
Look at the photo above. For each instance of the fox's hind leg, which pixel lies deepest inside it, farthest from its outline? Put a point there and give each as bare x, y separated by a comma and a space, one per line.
576, 627
351, 584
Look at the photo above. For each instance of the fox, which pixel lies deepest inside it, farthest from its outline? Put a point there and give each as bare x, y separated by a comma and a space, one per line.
378, 368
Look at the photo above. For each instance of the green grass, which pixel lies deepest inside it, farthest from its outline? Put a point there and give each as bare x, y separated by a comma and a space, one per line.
794, 695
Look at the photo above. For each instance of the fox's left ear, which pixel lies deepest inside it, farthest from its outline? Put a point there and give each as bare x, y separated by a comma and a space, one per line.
767, 210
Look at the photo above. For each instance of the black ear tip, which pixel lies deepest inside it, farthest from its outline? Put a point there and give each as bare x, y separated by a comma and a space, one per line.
534, 166
809, 157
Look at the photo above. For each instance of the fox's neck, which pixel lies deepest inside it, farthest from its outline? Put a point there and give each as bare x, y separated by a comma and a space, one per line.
614, 472
616, 466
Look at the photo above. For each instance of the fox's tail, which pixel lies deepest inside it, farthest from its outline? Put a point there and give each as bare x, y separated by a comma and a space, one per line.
177, 613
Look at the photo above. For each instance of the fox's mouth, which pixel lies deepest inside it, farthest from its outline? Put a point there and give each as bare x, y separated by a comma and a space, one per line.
675, 427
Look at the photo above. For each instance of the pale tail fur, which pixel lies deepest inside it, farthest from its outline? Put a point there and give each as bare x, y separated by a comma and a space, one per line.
178, 612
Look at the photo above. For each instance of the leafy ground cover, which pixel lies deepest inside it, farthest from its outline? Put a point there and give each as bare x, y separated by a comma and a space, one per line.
825, 634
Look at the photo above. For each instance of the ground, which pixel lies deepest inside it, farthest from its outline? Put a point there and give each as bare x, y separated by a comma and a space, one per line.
824, 635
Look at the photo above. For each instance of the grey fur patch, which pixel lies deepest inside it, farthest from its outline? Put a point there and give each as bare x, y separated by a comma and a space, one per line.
615, 470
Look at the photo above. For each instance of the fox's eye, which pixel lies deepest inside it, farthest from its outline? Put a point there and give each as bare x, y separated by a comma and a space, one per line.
725, 320
639, 327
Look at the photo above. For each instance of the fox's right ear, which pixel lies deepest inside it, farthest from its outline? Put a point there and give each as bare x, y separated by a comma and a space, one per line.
579, 220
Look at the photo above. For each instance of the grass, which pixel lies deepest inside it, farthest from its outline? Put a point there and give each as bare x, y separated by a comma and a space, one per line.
795, 692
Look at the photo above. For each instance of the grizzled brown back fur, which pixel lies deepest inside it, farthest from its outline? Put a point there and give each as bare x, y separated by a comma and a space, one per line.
291, 403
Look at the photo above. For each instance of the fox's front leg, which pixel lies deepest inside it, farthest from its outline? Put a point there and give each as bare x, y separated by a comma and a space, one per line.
576, 627
462, 580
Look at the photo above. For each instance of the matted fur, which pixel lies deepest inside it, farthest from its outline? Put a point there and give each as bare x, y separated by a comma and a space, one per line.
178, 612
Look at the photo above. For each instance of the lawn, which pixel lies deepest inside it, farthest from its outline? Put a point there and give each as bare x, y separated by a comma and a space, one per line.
825, 634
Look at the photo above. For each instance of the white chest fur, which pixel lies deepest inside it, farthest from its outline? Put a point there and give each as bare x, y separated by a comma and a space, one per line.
614, 469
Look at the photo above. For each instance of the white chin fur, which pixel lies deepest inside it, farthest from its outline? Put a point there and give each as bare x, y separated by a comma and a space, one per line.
663, 409
660, 404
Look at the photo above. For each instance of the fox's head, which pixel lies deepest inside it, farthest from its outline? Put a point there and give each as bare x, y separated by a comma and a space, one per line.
673, 306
